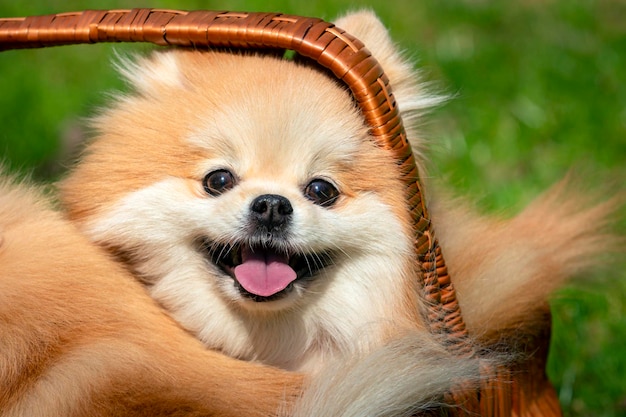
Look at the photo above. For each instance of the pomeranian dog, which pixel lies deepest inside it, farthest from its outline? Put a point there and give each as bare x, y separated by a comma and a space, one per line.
243, 191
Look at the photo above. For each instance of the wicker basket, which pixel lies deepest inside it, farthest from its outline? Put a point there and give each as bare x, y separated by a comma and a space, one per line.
521, 391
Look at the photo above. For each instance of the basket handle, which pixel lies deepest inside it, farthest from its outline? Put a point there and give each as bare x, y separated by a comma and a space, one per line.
321, 41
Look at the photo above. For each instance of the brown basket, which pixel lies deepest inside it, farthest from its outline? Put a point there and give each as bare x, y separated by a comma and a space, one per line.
504, 392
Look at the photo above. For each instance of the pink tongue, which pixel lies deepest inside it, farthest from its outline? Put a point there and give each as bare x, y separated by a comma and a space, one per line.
264, 273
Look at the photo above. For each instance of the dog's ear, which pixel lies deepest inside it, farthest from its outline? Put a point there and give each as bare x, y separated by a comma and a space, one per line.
370, 30
147, 74
412, 98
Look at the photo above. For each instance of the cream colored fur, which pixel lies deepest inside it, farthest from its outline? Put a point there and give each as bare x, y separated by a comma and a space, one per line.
356, 326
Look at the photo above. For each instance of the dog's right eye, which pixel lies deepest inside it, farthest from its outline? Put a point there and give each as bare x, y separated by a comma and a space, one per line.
217, 182
321, 192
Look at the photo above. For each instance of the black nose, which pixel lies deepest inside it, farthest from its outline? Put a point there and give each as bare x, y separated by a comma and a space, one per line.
271, 211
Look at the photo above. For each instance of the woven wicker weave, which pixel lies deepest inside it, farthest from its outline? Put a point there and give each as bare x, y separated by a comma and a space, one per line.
503, 393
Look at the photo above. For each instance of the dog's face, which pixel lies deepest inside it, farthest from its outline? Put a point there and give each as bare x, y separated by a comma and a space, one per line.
285, 187
239, 185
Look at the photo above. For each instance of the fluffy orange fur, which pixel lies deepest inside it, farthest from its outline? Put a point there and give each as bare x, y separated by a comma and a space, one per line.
506, 269
80, 337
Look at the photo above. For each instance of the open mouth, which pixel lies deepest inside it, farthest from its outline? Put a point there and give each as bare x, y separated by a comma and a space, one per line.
264, 273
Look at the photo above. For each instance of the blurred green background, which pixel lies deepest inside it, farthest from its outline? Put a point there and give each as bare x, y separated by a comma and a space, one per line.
539, 87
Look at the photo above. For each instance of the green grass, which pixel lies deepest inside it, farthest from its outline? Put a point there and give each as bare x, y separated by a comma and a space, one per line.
539, 87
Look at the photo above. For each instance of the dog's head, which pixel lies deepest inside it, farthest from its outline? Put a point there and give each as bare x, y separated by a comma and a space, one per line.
248, 182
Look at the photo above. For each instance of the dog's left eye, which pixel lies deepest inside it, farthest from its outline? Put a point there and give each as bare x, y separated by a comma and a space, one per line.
321, 192
217, 182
